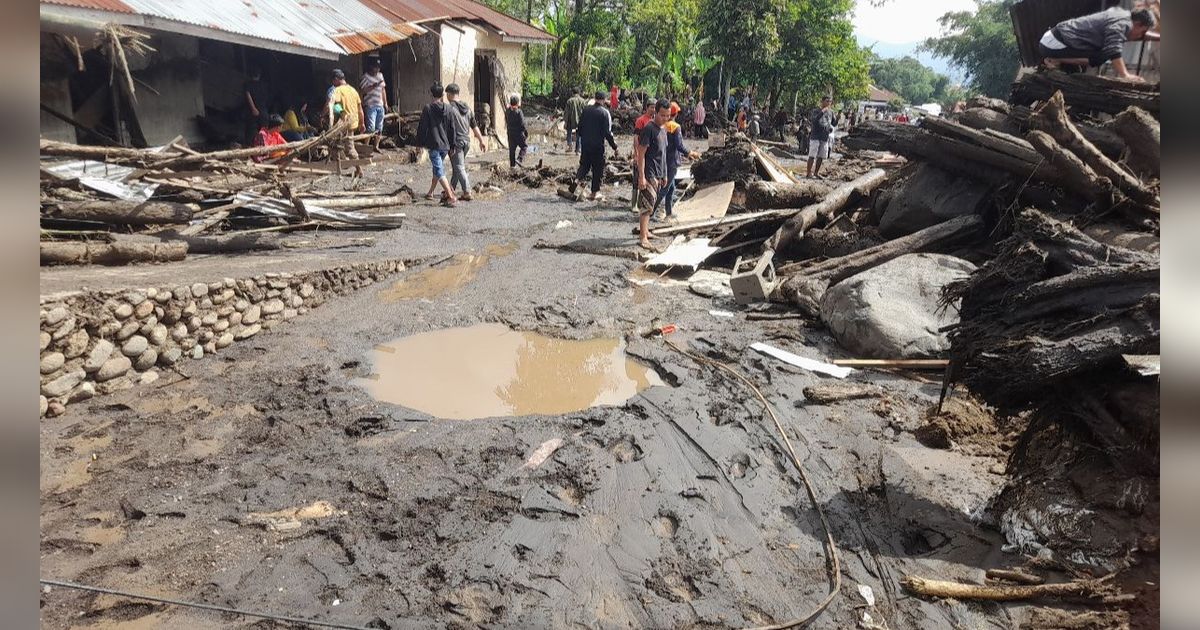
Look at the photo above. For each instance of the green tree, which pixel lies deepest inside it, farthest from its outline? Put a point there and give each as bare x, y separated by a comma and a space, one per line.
907, 77
820, 54
982, 44
744, 33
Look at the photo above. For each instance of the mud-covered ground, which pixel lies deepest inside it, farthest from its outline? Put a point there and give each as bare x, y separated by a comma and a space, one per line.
676, 509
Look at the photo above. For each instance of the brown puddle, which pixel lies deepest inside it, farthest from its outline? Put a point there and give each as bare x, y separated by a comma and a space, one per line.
488, 370
445, 277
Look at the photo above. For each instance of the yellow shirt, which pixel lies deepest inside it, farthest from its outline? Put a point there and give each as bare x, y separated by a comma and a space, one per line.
351, 104
290, 122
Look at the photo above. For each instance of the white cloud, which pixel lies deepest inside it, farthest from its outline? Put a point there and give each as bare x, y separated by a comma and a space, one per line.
903, 21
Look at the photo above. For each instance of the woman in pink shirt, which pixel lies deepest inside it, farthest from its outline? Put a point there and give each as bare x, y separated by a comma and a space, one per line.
698, 119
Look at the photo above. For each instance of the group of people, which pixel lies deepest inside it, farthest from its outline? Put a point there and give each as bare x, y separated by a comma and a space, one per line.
445, 130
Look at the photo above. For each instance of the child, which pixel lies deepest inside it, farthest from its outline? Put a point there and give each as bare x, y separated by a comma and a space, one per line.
514, 123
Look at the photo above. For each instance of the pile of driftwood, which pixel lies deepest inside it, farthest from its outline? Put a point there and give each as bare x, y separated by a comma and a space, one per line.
118, 205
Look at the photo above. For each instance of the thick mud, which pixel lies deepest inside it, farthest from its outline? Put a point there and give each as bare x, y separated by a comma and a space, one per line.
267, 478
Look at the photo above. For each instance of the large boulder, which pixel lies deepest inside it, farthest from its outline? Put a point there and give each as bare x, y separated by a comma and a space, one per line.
926, 197
892, 311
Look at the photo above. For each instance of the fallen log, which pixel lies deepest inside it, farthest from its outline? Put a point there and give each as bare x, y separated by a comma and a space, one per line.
985, 118
1077, 176
805, 283
837, 200
1091, 589
1086, 93
116, 253
1012, 575
824, 394
236, 242
1054, 114
1105, 139
175, 162
772, 195
124, 212
103, 154
1141, 133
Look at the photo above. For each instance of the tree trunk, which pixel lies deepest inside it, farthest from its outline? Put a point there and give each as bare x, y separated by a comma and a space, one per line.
1054, 114
771, 195
836, 201
359, 202
1086, 93
805, 283
118, 253
227, 243
125, 212
1141, 133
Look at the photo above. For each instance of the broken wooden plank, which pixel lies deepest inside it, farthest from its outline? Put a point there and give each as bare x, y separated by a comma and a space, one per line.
707, 203
683, 253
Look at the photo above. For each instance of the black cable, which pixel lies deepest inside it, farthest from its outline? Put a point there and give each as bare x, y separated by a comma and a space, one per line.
176, 602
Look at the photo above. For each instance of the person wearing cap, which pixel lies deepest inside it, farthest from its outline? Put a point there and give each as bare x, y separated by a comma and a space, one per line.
374, 96
675, 153
514, 124
345, 104
595, 129
270, 136
820, 137
1097, 38
434, 132
462, 122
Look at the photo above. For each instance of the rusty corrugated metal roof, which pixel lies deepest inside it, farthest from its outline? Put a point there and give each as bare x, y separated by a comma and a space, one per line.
331, 26
425, 10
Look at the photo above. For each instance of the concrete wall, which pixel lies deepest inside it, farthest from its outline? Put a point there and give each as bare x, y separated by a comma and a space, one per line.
416, 69
174, 72
458, 53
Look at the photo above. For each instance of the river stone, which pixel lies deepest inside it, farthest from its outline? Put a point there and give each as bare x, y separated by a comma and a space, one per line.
193, 324
43, 340
191, 309
148, 325
206, 304
241, 305
146, 360
64, 329
53, 362
115, 385
224, 340
163, 296
56, 315
84, 391
134, 346
273, 306
151, 293
710, 284
179, 332
209, 319
149, 377
135, 297
199, 289
206, 336
235, 319
123, 311
144, 310
210, 346
247, 332
99, 354
926, 198
62, 385
55, 409
289, 313
892, 311
170, 356
43, 404
252, 314
76, 344
221, 325
296, 301
197, 351
127, 331
306, 290
229, 282
158, 335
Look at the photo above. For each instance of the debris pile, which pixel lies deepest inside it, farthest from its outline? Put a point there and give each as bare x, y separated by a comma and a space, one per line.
116, 206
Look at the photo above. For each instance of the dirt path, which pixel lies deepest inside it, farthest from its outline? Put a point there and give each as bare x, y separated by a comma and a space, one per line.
676, 509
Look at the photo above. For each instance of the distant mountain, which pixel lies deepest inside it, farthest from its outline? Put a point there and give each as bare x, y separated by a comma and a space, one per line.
888, 50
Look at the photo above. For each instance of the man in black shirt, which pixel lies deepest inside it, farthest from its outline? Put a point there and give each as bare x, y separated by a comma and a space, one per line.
651, 159
434, 133
256, 96
514, 123
595, 128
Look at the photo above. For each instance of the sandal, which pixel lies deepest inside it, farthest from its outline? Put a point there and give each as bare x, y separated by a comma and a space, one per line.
449, 203
429, 196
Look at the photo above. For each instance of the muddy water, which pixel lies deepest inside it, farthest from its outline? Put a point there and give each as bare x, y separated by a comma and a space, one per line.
488, 370
445, 277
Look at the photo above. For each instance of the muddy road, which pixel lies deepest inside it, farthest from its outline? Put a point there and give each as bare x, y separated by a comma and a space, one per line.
272, 479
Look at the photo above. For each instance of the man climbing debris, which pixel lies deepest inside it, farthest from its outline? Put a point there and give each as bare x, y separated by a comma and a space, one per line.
1094, 39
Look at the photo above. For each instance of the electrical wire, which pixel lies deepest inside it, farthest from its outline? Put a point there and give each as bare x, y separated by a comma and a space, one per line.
177, 602
835, 571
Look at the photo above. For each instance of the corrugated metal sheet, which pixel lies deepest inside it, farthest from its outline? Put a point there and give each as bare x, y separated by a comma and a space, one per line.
1032, 18
116, 6
331, 26
425, 10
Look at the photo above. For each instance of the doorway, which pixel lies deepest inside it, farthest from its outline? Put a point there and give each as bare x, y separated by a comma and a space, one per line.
485, 81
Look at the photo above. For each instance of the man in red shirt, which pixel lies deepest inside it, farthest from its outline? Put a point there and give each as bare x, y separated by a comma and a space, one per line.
270, 136
638, 125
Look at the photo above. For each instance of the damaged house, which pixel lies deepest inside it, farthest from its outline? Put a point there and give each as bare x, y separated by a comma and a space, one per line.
142, 72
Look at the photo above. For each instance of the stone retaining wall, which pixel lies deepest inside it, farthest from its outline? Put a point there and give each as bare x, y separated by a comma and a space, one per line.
99, 342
